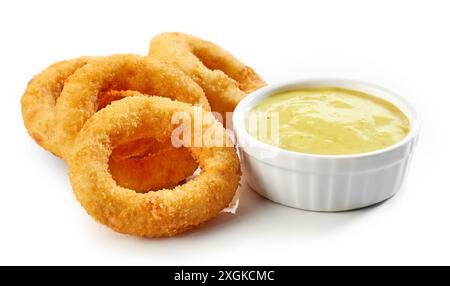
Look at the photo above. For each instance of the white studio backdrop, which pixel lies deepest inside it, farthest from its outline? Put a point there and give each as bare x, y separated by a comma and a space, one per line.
401, 45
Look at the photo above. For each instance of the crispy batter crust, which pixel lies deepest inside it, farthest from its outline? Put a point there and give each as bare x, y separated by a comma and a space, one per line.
224, 79
147, 164
141, 171
79, 98
39, 100
163, 213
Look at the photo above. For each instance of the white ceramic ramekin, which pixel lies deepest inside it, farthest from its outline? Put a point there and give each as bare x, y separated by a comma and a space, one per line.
324, 182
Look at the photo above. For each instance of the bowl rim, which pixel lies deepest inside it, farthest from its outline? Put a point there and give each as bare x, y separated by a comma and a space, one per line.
251, 99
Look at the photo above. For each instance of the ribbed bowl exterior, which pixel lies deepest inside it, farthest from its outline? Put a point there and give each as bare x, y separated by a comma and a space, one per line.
333, 189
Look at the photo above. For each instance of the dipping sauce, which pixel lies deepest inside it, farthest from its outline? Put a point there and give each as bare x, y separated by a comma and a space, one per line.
328, 121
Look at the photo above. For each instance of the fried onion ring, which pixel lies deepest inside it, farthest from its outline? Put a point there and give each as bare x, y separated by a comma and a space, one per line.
79, 98
166, 212
224, 79
39, 100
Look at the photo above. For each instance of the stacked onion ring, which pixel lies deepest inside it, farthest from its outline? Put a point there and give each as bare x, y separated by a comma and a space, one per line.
224, 79
167, 211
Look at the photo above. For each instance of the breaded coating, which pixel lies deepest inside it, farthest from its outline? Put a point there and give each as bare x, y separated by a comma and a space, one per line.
39, 100
166, 212
147, 164
134, 169
79, 98
224, 79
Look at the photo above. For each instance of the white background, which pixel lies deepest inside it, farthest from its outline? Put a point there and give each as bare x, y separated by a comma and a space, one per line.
402, 45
